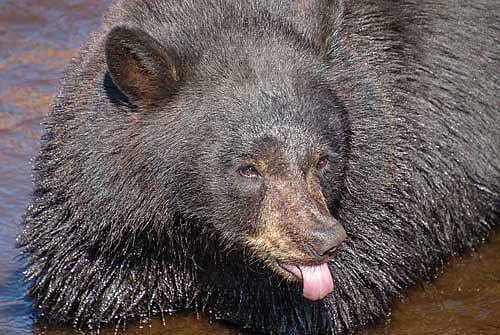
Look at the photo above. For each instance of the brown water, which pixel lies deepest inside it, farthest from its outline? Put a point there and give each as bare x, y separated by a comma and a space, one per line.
37, 37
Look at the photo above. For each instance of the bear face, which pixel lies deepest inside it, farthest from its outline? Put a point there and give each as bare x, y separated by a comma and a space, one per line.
268, 186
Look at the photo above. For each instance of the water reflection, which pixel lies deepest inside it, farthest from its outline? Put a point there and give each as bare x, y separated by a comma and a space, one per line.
37, 37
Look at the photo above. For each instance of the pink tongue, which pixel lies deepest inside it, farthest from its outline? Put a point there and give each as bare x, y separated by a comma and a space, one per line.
317, 281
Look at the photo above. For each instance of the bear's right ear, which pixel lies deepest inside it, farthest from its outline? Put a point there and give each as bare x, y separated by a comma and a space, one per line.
140, 66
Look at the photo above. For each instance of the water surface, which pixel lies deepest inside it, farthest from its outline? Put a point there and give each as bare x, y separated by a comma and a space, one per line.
37, 38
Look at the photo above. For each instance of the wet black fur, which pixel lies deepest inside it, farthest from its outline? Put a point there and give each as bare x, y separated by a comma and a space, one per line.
133, 212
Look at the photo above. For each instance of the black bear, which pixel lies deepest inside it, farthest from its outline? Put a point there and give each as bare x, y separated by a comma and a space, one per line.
290, 166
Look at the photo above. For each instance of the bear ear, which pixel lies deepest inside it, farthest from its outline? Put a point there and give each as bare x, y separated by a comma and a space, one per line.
140, 66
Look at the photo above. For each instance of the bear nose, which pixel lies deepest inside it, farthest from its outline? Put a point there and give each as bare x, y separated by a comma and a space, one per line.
327, 237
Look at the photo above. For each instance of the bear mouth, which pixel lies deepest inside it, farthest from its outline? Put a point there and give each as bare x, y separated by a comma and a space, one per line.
317, 280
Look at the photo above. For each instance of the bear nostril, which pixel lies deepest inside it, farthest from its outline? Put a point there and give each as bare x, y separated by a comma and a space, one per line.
326, 239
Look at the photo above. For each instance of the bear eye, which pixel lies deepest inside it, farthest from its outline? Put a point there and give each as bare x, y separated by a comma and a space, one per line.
321, 164
249, 171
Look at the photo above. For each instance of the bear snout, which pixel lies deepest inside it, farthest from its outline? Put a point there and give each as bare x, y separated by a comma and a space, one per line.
324, 239
295, 227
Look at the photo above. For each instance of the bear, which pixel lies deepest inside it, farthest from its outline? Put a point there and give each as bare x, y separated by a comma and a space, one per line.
291, 167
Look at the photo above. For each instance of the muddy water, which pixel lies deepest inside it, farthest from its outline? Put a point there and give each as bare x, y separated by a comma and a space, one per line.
37, 37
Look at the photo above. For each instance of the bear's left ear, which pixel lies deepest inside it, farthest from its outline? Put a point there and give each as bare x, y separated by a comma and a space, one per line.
140, 66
